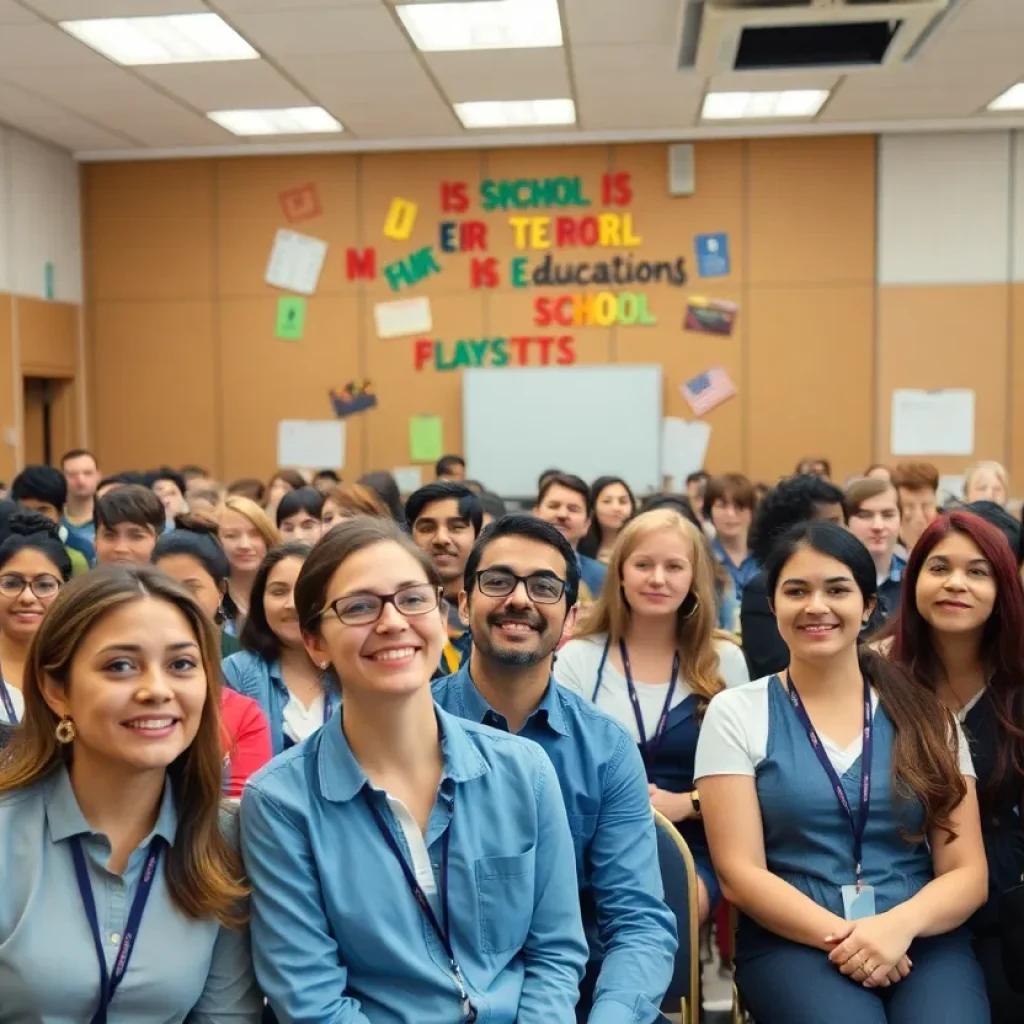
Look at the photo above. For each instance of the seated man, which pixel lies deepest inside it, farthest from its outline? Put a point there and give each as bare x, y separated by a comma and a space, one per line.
564, 501
520, 584
129, 519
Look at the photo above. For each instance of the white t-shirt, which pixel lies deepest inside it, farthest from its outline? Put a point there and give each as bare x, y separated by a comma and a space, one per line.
17, 702
576, 669
734, 736
300, 722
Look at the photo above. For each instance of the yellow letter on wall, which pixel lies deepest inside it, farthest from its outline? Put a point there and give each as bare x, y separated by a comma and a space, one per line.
401, 219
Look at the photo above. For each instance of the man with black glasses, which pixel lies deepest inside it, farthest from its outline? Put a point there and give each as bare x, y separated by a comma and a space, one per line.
521, 580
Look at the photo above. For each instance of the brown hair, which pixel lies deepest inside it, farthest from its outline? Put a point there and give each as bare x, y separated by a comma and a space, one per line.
248, 487
356, 500
734, 487
864, 490
695, 627
204, 873
292, 477
916, 476
248, 508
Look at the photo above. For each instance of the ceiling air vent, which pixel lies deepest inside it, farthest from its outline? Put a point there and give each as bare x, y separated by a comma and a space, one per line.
720, 36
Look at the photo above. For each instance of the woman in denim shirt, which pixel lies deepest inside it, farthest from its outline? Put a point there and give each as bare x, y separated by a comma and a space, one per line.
406, 865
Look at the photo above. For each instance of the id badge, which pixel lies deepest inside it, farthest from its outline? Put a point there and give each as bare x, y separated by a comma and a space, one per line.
858, 903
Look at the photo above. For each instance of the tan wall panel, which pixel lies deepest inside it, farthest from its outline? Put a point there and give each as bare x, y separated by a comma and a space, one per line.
810, 378
949, 336
8, 453
48, 333
149, 230
155, 384
266, 380
812, 210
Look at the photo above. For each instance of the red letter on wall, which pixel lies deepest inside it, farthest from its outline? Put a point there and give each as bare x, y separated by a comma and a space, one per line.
361, 264
454, 197
483, 273
423, 352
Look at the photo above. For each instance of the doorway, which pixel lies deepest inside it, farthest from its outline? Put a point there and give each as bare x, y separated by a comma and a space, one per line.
45, 418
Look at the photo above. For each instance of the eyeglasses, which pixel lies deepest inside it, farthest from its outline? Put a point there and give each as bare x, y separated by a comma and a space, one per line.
12, 586
541, 588
365, 609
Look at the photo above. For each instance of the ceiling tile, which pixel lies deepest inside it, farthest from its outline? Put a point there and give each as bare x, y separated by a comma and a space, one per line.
81, 88
605, 67
226, 86
323, 31
42, 46
46, 120
591, 22
232, 6
162, 123
412, 121
13, 14
361, 78
70, 10
501, 74
994, 15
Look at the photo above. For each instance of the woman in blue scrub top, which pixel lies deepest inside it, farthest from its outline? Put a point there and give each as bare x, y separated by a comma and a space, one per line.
406, 865
840, 806
122, 901
647, 653
295, 693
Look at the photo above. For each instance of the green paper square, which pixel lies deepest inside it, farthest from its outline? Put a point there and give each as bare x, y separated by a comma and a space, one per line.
291, 318
426, 438
49, 286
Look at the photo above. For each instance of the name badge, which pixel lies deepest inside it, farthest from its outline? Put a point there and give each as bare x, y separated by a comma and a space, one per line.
858, 903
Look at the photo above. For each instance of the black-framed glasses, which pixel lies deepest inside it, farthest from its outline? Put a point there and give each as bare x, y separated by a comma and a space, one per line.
365, 609
13, 584
541, 587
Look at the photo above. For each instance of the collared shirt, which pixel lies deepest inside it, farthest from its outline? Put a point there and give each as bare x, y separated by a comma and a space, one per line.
890, 587
48, 971
604, 785
81, 537
592, 576
338, 937
253, 676
741, 574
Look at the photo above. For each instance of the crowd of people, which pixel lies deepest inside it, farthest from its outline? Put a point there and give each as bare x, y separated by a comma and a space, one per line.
302, 751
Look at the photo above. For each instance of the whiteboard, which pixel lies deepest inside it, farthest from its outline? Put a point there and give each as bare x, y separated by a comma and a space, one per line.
589, 420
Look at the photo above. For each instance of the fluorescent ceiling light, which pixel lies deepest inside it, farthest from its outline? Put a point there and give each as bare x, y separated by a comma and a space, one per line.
282, 121
1012, 99
173, 39
515, 113
725, 106
482, 24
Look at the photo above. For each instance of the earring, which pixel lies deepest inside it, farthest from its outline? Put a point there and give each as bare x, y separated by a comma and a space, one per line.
65, 731
323, 665
689, 613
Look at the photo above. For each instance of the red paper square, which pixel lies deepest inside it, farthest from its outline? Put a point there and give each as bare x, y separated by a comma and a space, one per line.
299, 204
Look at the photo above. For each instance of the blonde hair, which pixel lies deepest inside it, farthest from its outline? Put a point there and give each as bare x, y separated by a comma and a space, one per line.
248, 508
991, 466
695, 629
356, 500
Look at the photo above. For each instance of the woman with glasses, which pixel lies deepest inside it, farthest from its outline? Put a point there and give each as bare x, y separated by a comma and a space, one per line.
34, 565
648, 654
386, 885
296, 693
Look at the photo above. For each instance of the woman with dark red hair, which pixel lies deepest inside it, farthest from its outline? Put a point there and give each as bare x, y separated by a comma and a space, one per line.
960, 633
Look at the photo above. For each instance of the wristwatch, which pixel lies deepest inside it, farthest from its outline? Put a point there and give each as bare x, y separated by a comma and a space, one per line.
695, 800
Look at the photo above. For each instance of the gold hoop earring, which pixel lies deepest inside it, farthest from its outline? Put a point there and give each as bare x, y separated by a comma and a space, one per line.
696, 604
65, 731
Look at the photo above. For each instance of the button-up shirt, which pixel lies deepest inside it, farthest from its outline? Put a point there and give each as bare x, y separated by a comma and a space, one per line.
604, 785
741, 574
180, 968
338, 937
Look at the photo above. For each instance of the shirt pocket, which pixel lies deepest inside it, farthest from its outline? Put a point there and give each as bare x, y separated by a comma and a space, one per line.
505, 886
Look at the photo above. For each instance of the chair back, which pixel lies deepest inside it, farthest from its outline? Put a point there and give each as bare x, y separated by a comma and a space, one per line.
679, 878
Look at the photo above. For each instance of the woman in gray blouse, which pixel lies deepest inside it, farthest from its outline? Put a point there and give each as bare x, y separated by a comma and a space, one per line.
121, 898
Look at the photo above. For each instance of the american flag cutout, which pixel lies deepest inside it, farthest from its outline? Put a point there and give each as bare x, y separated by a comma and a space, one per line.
708, 390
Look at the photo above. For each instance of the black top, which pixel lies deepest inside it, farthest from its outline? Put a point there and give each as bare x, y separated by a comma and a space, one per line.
765, 651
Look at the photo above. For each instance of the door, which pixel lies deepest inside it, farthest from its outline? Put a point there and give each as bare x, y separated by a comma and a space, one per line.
46, 418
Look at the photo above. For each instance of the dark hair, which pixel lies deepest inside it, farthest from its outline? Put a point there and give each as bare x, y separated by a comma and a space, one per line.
33, 530
41, 483
7, 509
304, 499
166, 473
734, 487
77, 453
196, 538
131, 503
468, 504
128, 477
699, 475
492, 504
328, 474
248, 487
810, 461
382, 483
678, 502
347, 539
447, 463
997, 516
545, 476
591, 542
925, 761
257, 636
519, 524
571, 483
191, 469
791, 501
1002, 640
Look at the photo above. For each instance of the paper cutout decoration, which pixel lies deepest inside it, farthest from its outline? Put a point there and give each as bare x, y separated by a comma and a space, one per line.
401, 219
299, 204
413, 269
295, 262
291, 318
355, 396
712, 255
402, 318
710, 316
932, 422
408, 478
684, 446
49, 285
426, 438
708, 390
311, 444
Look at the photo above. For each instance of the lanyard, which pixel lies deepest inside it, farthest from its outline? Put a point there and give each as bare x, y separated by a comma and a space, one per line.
443, 933
5, 696
109, 985
648, 748
860, 823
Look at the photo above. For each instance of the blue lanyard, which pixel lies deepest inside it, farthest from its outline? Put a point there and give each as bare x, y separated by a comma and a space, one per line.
860, 823
109, 984
442, 929
5, 696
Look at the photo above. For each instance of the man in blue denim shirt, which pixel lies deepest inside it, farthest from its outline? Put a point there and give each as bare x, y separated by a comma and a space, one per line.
521, 581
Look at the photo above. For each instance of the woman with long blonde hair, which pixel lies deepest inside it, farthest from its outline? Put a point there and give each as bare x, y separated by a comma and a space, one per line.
649, 654
246, 533
122, 899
